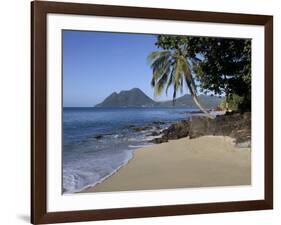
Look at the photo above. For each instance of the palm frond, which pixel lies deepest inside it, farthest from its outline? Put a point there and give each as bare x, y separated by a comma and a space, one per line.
171, 79
160, 67
172, 68
159, 86
181, 84
156, 55
161, 82
188, 77
174, 95
152, 82
177, 74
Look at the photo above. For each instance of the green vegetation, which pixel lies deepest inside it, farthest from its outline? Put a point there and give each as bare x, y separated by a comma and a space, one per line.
218, 66
233, 104
172, 68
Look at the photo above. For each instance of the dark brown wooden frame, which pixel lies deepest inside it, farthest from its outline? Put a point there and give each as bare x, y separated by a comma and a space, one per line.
39, 11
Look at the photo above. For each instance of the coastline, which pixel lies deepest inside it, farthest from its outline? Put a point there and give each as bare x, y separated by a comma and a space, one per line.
101, 150
205, 161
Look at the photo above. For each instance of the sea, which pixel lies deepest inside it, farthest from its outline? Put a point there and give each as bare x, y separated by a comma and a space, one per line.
99, 141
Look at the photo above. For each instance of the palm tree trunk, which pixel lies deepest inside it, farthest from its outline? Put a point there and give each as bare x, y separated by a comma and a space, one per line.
202, 109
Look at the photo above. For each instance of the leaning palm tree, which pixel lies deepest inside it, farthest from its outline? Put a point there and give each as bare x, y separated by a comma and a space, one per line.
171, 68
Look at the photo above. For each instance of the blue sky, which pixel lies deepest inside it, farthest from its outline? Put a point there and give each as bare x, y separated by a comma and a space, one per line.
95, 64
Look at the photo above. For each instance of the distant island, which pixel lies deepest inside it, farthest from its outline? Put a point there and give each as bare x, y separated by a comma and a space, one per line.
137, 98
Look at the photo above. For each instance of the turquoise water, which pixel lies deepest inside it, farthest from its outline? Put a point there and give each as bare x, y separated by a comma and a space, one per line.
98, 141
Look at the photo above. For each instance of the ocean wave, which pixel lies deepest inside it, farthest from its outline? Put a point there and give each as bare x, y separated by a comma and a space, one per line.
150, 138
82, 174
139, 146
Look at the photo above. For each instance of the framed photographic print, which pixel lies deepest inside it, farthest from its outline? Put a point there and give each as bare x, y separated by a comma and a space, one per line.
143, 112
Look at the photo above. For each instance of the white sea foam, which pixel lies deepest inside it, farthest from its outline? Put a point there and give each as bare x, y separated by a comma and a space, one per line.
139, 146
150, 138
82, 174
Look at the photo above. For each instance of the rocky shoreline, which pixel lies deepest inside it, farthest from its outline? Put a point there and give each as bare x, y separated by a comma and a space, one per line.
235, 125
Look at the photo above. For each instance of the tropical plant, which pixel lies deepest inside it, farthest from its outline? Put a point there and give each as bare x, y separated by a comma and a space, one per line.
232, 104
221, 65
171, 68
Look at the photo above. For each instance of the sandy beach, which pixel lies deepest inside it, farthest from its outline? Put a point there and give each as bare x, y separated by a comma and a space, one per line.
201, 162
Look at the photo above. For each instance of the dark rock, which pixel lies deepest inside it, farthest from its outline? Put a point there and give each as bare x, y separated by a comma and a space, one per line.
235, 125
199, 126
138, 129
175, 131
160, 140
98, 137
194, 112
158, 123
154, 133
